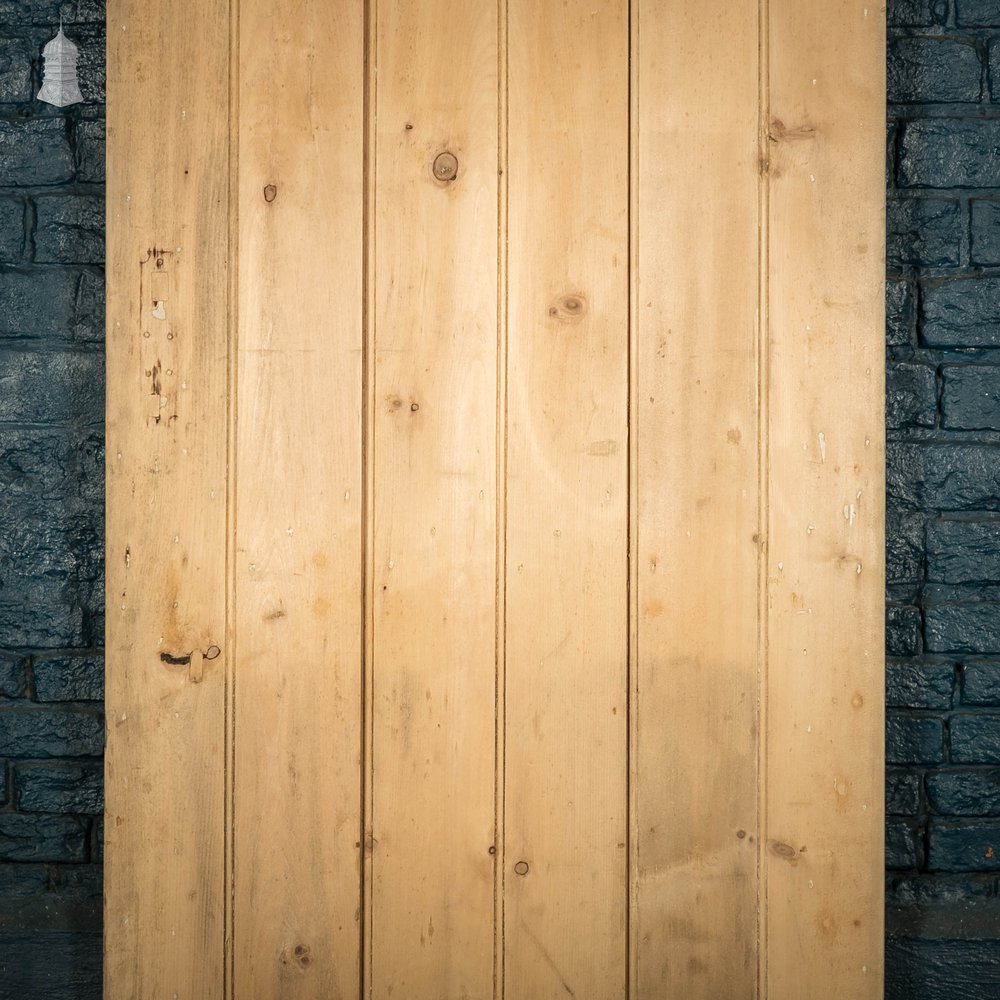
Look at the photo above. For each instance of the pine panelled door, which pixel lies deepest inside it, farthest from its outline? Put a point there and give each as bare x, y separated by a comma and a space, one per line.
495, 500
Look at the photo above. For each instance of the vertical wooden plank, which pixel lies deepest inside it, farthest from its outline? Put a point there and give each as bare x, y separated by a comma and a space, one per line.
168, 225
696, 478
297, 796
567, 529
434, 550
823, 859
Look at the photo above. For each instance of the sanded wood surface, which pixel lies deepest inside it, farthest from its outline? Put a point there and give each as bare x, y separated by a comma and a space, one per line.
695, 711
823, 696
566, 866
168, 175
495, 496
298, 600
434, 455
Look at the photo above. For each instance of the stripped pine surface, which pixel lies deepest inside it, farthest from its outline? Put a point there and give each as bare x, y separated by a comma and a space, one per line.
434, 455
495, 572
167, 527
822, 863
566, 870
298, 452
696, 480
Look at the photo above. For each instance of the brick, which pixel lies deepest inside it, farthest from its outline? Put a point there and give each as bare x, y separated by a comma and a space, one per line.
900, 313
975, 739
961, 313
35, 152
904, 541
66, 304
901, 849
16, 54
941, 891
69, 678
970, 397
928, 968
962, 628
902, 628
42, 838
965, 793
63, 965
949, 153
69, 229
981, 683
977, 13
911, 396
48, 12
917, 13
52, 387
90, 151
919, 685
943, 477
923, 232
51, 566
925, 70
50, 897
59, 788
964, 847
902, 793
914, 740
985, 227
47, 732
97, 840
13, 679
91, 66
11, 230
963, 551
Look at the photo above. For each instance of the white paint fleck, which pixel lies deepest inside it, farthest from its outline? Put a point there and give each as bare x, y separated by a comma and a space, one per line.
809, 729
159, 311
864, 969
810, 528
814, 81
810, 883
812, 177
850, 513
781, 565
392, 563
857, 569
177, 539
289, 532
347, 495
822, 442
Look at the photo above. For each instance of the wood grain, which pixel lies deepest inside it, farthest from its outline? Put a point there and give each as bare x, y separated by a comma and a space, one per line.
298, 736
168, 176
695, 712
435, 470
567, 530
822, 863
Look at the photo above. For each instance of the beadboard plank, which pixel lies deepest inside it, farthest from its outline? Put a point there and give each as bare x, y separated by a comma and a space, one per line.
168, 233
566, 858
433, 402
822, 864
298, 620
696, 479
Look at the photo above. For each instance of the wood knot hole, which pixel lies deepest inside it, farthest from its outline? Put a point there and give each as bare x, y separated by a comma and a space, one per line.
270, 193
302, 955
568, 308
446, 167
521, 868
212, 652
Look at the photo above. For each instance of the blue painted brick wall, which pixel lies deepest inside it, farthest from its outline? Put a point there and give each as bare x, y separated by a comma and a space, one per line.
943, 519
943, 620
51, 509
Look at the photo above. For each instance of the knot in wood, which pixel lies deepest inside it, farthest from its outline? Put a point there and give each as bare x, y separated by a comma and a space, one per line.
446, 167
270, 193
